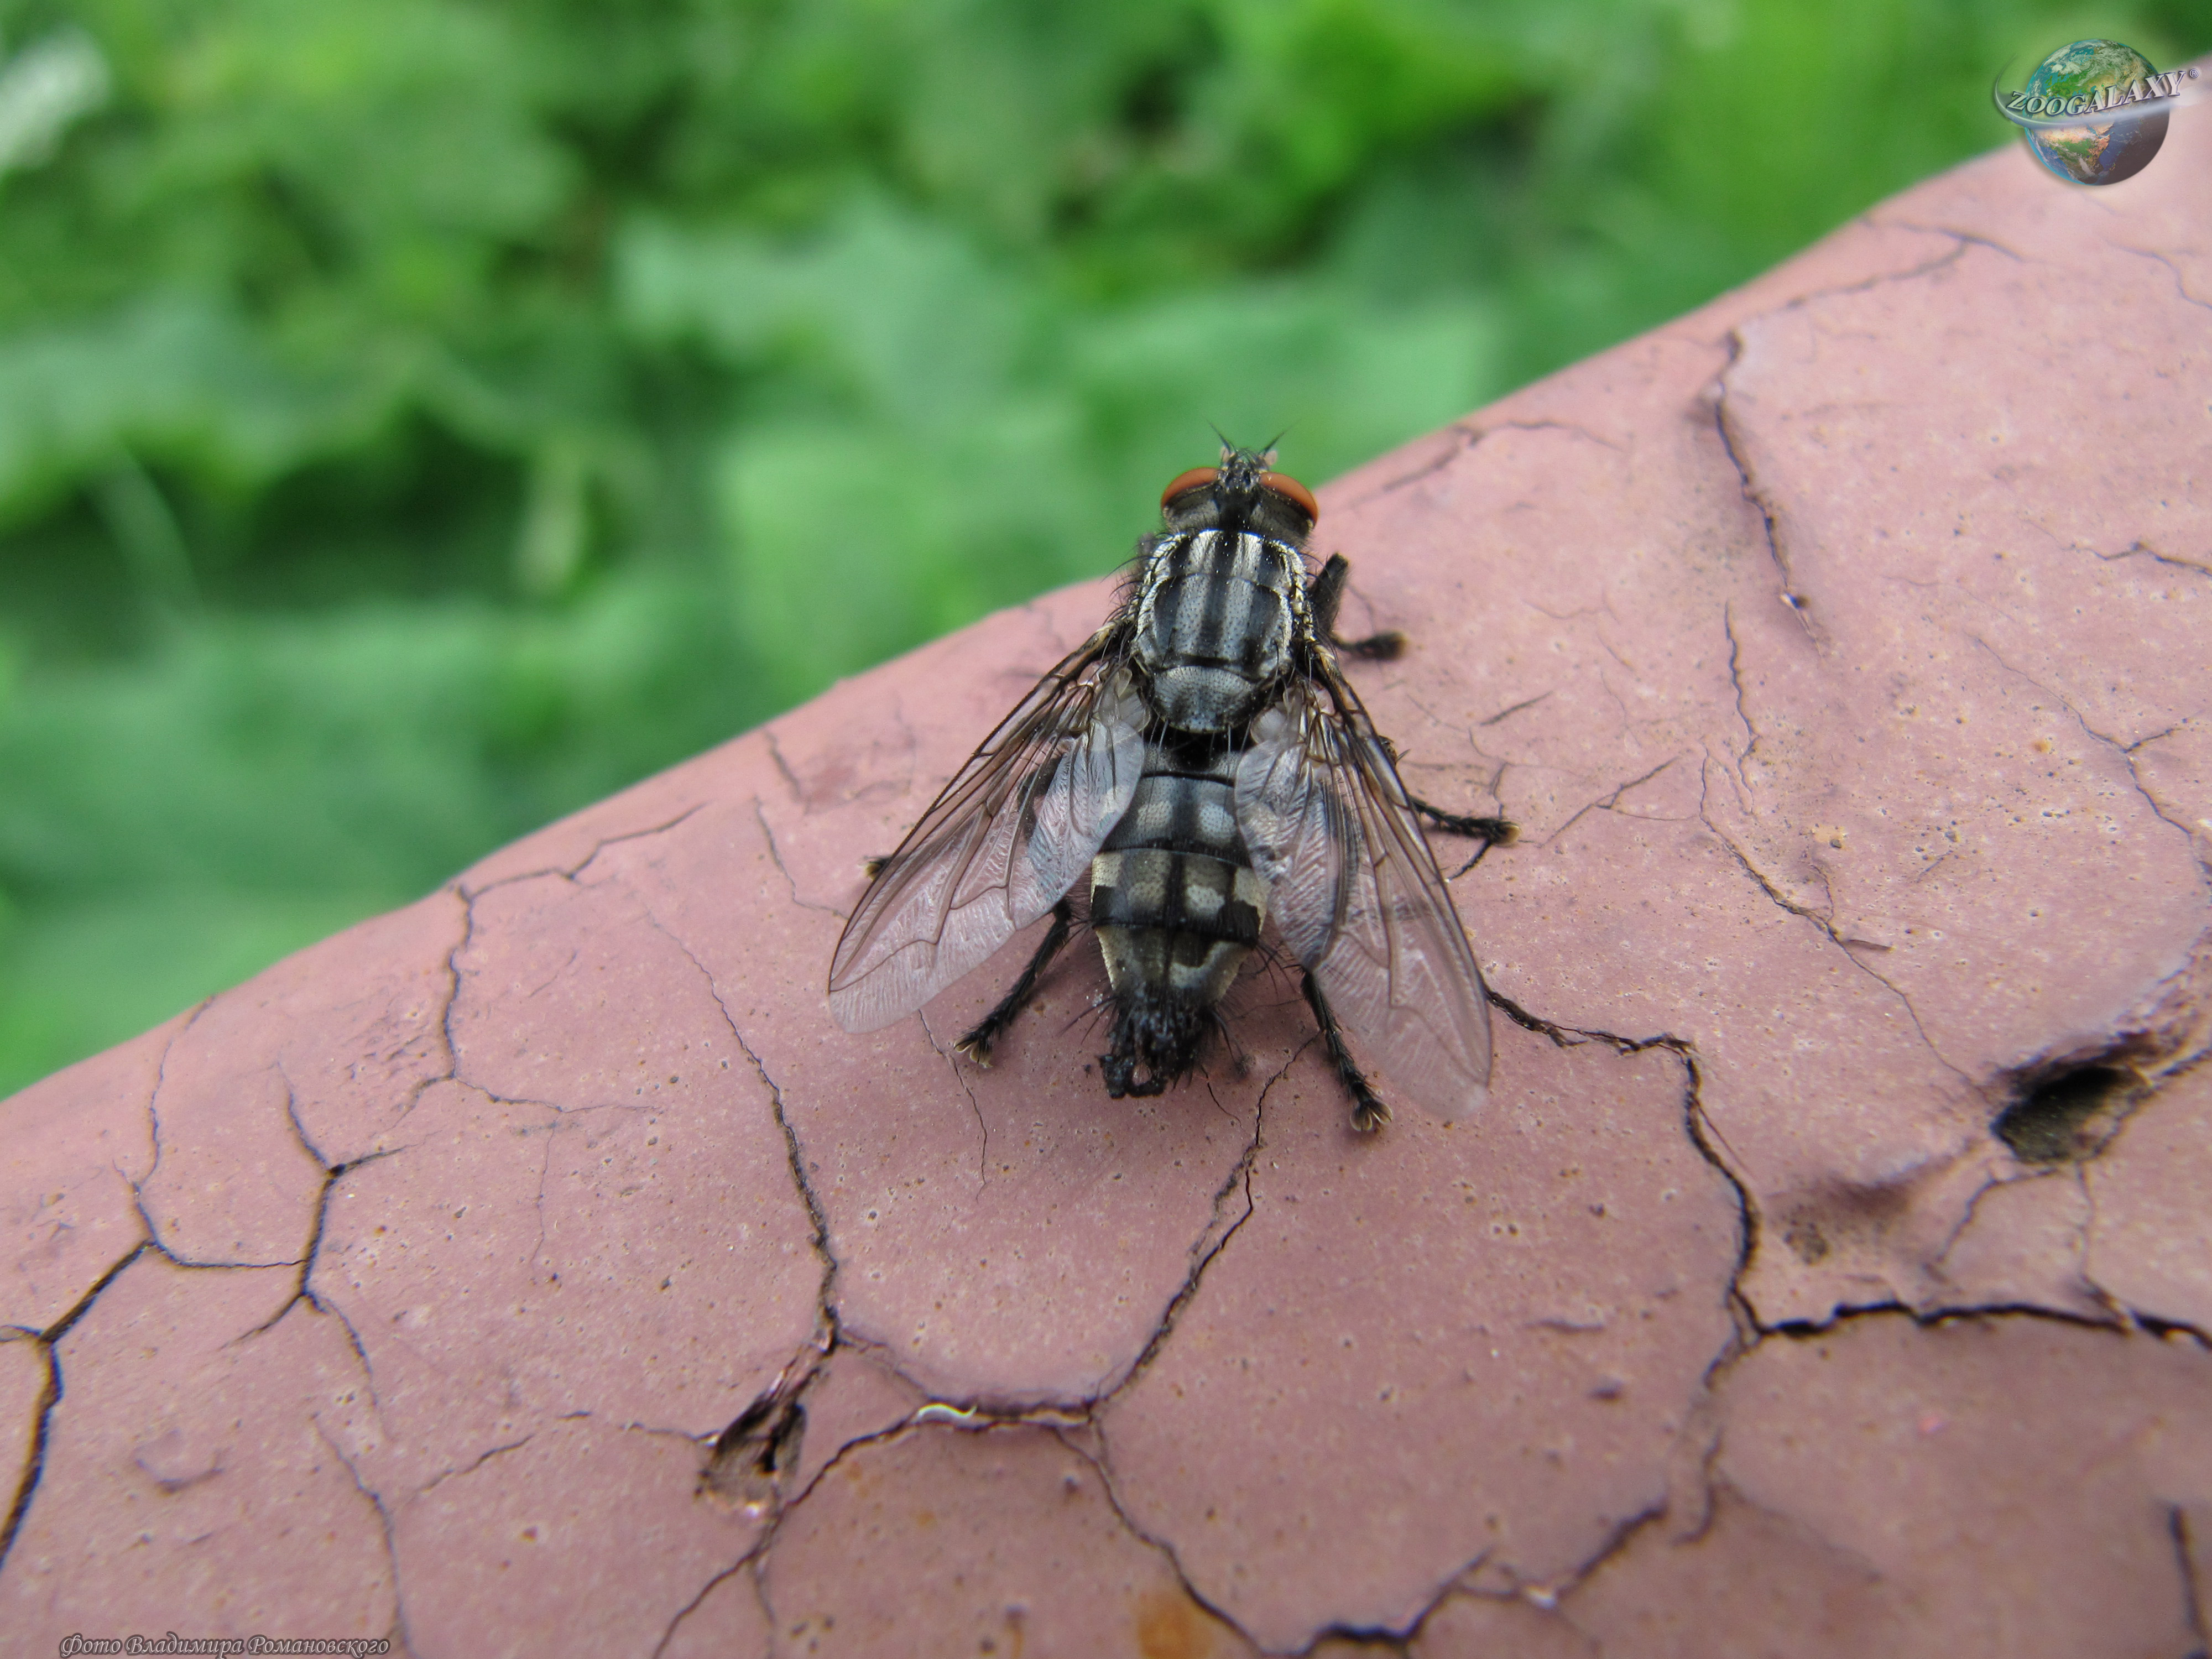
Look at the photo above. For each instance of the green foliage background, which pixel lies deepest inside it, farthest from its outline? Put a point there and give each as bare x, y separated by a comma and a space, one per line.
420, 417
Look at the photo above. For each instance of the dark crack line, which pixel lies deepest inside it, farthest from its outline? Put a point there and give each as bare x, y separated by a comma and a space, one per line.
1515, 709
1206, 1248
1961, 239
1464, 439
2166, 732
975, 1106
154, 1118
2151, 1324
816, 1214
1605, 804
1736, 679
1709, 1143
570, 871
783, 769
1827, 928
755, 1556
1549, 1593
537, 1208
476, 1462
1965, 238
2185, 1557
1470, 437
775, 854
1811, 1330
2125, 751
1997, 1178
1704, 1136
2141, 549
2181, 285
51, 1396
742, 1564
1724, 426
453, 999
301, 1292
1103, 1468
384, 1519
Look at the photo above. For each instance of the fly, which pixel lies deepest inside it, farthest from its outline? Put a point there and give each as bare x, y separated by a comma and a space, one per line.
1202, 759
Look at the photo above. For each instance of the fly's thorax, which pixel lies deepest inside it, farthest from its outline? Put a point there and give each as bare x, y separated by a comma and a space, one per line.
1219, 615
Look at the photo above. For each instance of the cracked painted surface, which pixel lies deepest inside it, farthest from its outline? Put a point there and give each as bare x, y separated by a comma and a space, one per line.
537, 1268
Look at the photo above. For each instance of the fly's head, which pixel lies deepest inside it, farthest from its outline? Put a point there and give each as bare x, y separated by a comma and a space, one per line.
1242, 493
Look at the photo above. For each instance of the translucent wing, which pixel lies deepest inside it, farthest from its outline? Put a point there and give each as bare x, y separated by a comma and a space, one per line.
1013, 831
1357, 896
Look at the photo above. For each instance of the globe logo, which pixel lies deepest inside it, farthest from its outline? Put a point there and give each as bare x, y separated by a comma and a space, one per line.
2094, 112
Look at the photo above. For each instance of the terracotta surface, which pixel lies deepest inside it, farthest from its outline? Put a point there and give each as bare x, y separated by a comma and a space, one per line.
538, 1270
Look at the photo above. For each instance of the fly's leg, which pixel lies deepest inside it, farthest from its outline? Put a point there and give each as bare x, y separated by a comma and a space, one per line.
1368, 1113
1325, 593
1324, 596
977, 1045
1491, 832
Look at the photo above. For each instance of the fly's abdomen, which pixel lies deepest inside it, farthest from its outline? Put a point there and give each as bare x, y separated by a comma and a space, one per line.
1174, 899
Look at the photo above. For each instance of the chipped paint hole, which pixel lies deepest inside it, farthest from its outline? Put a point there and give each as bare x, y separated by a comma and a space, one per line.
757, 1449
2066, 1113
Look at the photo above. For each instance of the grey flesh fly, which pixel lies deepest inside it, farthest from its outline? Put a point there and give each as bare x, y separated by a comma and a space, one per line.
1203, 759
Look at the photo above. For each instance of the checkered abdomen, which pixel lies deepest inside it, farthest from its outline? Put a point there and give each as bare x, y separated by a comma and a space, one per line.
1174, 899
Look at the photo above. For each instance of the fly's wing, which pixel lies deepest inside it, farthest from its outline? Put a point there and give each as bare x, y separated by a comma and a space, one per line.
1355, 895
1012, 832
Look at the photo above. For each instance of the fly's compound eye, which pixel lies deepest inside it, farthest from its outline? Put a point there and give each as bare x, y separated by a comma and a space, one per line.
1197, 478
1294, 492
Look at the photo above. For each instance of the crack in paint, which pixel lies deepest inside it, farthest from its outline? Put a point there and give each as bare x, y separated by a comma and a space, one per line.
1605, 804
34, 1464
401, 1639
1724, 425
1825, 925
2185, 1557
570, 871
1469, 436
485, 1458
2142, 549
975, 1106
2126, 751
816, 1214
1102, 1466
2181, 283
1736, 679
1206, 1248
775, 854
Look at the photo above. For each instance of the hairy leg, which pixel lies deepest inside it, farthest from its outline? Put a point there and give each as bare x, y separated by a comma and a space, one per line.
1325, 593
1368, 1113
977, 1043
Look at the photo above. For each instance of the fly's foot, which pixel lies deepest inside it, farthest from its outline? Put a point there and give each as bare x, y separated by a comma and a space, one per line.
977, 1045
1368, 1113
1387, 646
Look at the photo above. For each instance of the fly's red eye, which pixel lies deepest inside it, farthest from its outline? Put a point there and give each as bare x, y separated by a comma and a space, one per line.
1197, 478
1292, 490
